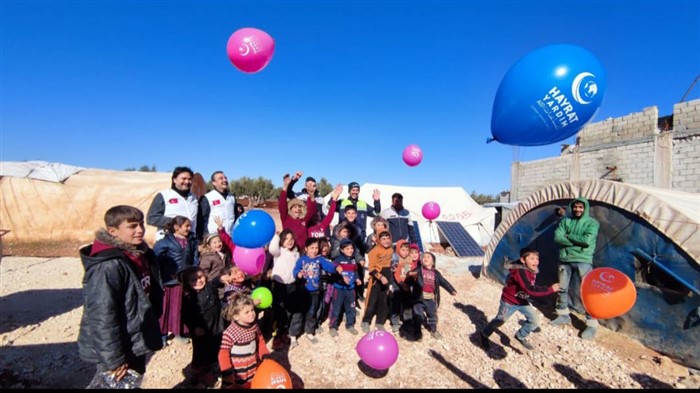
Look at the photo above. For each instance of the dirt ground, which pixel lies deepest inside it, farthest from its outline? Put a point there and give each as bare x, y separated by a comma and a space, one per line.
41, 306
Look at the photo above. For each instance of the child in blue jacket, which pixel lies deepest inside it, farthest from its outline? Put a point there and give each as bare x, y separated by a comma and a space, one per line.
308, 271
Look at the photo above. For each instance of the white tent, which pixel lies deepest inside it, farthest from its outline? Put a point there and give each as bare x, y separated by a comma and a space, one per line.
455, 205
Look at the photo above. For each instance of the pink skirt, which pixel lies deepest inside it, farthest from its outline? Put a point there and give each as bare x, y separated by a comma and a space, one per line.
171, 321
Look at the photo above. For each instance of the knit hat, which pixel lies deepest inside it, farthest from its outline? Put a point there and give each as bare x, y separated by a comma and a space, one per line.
353, 185
345, 242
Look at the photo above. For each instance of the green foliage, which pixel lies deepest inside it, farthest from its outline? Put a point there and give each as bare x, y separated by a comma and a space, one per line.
143, 168
324, 187
257, 190
483, 198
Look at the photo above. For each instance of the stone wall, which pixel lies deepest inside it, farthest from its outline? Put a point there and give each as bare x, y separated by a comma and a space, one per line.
629, 149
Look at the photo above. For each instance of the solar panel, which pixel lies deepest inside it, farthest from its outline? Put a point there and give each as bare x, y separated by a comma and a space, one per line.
419, 240
459, 239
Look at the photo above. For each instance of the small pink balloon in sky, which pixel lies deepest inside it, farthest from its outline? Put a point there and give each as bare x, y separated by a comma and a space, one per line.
250, 49
412, 155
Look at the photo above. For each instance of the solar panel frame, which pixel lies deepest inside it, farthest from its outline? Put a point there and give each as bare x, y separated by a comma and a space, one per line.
460, 240
419, 239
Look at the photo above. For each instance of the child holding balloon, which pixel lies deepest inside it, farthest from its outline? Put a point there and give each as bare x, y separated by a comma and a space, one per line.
242, 345
201, 313
519, 287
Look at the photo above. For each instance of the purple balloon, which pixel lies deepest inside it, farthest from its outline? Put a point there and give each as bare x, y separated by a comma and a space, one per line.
250, 260
378, 349
431, 210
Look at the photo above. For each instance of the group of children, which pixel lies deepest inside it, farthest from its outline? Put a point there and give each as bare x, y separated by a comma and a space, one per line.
198, 292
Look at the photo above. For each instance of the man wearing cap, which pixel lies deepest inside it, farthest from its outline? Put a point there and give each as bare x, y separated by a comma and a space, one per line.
362, 207
400, 222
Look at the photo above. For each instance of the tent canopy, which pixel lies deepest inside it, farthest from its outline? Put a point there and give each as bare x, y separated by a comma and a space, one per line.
651, 235
455, 205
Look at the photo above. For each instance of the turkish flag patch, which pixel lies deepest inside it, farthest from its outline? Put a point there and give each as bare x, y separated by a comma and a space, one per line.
174, 200
216, 202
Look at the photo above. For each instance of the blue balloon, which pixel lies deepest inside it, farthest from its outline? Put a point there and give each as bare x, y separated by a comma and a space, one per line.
253, 229
547, 96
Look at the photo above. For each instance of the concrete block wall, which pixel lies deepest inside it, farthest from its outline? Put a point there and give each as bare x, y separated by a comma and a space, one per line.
631, 144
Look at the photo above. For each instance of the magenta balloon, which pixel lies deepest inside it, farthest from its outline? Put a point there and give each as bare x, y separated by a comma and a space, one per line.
378, 349
250, 260
431, 210
412, 155
250, 49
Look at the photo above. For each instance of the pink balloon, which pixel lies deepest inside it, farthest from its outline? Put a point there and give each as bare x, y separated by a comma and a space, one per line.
378, 349
250, 49
250, 260
431, 210
412, 155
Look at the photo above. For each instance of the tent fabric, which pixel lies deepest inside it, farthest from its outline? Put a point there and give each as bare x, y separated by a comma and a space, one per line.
39, 170
37, 210
674, 213
636, 224
455, 205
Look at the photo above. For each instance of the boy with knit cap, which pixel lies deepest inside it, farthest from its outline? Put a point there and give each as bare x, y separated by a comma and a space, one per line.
344, 296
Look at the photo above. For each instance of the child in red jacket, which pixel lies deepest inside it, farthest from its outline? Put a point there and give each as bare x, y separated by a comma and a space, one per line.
520, 285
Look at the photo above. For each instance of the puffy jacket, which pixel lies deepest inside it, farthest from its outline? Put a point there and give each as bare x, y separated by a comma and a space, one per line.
119, 319
577, 236
440, 281
172, 258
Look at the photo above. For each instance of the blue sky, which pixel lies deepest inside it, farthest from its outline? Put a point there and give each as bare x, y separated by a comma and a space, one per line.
118, 84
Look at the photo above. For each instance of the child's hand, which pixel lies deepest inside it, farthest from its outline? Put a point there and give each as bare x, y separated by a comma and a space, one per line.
120, 372
257, 301
555, 287
286, 180
412, 274
219, 222
358, 281
226, 279
454, 293
346, 279
384, 280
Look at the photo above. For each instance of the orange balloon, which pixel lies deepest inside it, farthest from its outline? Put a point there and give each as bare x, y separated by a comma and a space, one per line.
271, 375
607, 293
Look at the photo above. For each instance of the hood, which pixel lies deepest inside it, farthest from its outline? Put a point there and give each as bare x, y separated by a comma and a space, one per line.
352, 230
95, 252
586, 207
401, 242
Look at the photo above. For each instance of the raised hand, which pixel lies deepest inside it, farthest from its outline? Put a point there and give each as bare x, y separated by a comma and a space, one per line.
375, 194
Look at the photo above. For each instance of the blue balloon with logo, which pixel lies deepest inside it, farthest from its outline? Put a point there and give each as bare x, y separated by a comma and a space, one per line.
547, 96
253, 229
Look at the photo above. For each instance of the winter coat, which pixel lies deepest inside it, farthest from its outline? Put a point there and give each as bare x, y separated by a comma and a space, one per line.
577, 236
440, 281
173, 259
119, 318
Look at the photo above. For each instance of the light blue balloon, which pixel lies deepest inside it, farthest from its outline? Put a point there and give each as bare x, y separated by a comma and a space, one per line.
547, 96
254, 229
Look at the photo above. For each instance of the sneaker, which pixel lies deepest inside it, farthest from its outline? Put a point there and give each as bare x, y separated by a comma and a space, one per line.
589, 333
365, 327
277, 343
311, 338
526, 344
380, 327
485, 342
561, 320
333, 332
293, 342
436, 335
319, 330
352, 330
395, 328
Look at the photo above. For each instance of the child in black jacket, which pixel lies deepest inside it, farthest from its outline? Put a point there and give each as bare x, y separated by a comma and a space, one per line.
201, 313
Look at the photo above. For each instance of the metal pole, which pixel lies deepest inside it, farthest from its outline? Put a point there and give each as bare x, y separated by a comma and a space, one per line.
641, 254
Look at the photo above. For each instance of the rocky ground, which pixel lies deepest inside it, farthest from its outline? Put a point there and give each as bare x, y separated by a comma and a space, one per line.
41, 306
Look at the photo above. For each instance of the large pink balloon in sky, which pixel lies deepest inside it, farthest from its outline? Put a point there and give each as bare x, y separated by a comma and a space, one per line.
250, 49
412, 155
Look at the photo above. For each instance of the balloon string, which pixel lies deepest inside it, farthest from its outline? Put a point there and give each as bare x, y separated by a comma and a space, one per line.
489, 140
